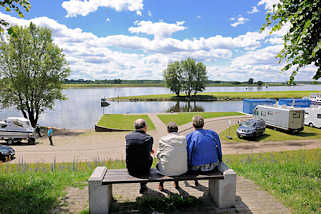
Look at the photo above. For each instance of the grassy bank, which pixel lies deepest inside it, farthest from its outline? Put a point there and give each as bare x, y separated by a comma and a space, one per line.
292, 177
186, 117
123, 121
217, 96
273, 135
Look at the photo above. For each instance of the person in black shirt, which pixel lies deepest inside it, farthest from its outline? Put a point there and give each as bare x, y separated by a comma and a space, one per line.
139, 147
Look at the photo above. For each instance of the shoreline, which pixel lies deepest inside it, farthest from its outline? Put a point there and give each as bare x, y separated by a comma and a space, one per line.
216, 96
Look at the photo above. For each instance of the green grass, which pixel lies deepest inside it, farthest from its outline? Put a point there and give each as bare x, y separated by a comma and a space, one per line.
37, 188
273, 135
292, 177
186, 117
123, 121
213, 96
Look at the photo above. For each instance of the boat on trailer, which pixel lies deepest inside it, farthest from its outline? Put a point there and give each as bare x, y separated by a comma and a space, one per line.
16, 129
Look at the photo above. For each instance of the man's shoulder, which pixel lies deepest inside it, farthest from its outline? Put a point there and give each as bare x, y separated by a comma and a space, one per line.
211, 132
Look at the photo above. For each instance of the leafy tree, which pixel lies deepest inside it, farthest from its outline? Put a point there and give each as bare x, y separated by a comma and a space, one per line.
173, 77
194, 76
187, 76
302, 42
251, 81
259, 83
32, 70
17, 6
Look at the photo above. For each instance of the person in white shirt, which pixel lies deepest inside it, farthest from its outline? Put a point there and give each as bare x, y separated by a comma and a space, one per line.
172, 154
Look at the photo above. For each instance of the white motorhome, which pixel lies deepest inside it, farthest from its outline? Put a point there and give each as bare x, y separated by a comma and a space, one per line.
282, 117
312, 117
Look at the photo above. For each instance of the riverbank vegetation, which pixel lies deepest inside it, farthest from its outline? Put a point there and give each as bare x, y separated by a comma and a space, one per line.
117, 83
293, 177
123, 121
186, 117
272, 135
218, 96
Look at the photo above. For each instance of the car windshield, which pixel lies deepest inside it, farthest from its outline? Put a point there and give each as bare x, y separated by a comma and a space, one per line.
247, 123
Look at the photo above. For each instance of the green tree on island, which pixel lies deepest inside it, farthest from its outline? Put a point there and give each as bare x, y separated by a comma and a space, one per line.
302, 42
17, 6
187, 76
173, 77
32, 70
250, 81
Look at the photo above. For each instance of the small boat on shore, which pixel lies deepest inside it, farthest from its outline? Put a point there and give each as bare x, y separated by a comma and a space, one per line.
103, 102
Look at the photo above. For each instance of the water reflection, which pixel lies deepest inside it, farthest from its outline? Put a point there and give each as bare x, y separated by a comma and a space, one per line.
186, 107
82, 108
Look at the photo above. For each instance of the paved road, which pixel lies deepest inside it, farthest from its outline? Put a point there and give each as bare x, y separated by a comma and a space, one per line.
84, 145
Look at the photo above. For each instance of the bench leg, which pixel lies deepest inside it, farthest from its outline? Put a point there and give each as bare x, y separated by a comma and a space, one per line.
223, 191
100, 198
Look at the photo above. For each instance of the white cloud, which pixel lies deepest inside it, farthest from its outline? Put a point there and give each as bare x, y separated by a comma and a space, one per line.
150, 13
134, 57
268, 3
160, 30
199, 17
239, 21
107, 19
254, 10
84, 7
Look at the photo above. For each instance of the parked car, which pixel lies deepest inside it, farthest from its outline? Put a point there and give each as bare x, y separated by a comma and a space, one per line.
251, 128
6, 152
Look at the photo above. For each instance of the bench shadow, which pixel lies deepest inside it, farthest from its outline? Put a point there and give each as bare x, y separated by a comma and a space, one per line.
152, 200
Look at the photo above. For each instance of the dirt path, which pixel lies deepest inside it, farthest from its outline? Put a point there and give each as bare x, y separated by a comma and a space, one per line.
87, 145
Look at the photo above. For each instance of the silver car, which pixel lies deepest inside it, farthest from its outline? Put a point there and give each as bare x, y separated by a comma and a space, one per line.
251, 128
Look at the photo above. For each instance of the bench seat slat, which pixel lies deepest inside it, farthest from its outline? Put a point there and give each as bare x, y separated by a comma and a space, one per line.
121, 176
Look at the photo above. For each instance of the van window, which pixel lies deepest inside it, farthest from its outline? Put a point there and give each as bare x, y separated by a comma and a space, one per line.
270, 113
296, 115
319, 116
263, 113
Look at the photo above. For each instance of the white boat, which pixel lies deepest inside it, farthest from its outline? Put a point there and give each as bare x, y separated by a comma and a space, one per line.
315, 98
16, 129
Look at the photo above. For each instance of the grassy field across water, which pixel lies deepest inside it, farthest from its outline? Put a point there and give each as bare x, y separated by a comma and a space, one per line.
123, 121
186, 117
216, 96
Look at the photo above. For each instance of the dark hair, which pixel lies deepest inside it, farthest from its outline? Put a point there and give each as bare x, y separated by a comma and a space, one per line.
198, 122
172, 127
140, 123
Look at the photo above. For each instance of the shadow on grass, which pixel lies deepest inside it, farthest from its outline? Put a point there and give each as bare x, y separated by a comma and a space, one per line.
257, 139
23, 195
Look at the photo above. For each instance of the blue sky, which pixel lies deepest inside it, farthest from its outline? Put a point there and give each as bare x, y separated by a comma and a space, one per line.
136, 39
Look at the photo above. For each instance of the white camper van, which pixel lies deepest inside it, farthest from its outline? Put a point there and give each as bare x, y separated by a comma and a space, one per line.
282, 117
312, 117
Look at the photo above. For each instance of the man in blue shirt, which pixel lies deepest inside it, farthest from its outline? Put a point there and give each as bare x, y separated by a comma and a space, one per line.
50, 133
203, 148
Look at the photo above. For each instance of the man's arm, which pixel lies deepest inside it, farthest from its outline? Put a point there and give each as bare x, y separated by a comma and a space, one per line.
219, 148
189, 148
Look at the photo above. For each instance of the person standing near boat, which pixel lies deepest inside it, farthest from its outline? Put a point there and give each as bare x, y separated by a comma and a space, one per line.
50, 133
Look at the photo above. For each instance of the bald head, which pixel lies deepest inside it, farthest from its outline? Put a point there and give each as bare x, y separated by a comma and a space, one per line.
140, 124
198, 121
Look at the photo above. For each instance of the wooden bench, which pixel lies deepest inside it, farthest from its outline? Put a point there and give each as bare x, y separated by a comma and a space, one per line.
222, 185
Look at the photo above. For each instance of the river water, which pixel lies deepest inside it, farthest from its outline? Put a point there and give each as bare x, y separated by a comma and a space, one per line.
82, 108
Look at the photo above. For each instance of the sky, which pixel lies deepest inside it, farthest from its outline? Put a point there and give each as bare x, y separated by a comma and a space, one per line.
137, 39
